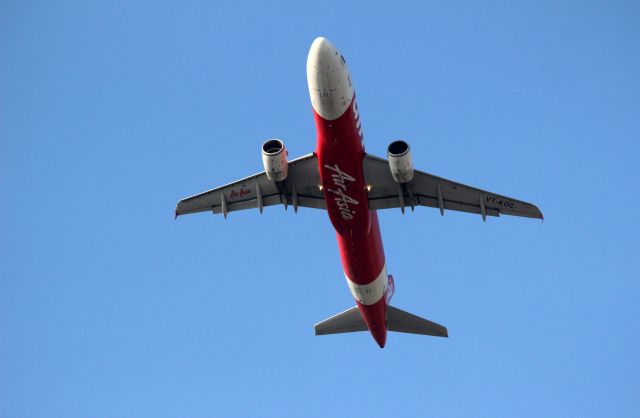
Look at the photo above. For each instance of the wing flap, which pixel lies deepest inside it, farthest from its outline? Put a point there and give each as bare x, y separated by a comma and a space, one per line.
387, 202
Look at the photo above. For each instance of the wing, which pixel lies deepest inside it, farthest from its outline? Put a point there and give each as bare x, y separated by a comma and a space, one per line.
299, 189
428, 190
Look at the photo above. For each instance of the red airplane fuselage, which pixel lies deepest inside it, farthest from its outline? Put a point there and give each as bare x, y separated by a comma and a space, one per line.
340, 152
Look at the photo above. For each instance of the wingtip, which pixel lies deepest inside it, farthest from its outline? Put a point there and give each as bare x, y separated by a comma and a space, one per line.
179, 210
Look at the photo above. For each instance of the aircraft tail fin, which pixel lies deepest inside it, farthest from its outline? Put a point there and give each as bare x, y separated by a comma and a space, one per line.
347, 321
401, 321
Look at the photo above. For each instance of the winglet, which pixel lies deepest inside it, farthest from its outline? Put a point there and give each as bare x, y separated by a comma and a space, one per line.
540, 215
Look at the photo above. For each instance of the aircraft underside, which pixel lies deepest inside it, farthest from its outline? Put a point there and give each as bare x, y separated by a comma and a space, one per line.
351, 185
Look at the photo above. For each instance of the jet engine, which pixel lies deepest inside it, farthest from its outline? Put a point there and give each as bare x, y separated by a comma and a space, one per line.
400, 162
274, 158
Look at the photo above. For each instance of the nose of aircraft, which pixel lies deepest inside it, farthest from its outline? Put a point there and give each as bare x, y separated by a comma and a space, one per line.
328, 78
320, 44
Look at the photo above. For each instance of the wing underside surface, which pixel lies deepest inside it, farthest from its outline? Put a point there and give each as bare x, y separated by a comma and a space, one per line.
436, 192
299, 189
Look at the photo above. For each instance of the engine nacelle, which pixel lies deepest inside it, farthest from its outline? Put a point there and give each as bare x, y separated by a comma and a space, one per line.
274, 158
400, 162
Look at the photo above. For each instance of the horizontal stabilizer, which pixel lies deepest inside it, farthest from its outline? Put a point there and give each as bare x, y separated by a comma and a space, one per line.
401, 321
347, 321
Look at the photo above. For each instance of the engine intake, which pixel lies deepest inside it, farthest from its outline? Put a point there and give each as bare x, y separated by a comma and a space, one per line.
400, 162
274, 158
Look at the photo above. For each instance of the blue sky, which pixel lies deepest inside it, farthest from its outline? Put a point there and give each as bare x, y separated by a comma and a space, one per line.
112, 111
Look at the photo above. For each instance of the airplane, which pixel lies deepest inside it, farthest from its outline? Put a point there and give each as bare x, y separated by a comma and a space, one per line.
351, 185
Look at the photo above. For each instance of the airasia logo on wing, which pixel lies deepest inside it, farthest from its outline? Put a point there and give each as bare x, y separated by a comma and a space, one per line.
241, 193
342, 199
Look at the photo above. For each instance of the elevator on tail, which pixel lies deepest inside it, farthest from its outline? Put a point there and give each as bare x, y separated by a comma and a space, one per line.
351, 185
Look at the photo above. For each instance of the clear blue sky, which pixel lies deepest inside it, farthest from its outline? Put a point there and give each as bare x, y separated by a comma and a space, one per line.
112, 111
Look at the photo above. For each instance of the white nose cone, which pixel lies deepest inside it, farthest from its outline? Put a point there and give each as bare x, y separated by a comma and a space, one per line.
329, 82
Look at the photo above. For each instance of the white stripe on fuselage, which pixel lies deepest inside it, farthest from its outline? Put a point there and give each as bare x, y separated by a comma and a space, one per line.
368, 294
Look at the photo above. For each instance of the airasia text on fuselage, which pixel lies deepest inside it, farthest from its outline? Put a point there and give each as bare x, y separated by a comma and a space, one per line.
342, 199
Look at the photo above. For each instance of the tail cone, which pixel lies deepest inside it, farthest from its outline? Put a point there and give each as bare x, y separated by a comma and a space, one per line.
381, 338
